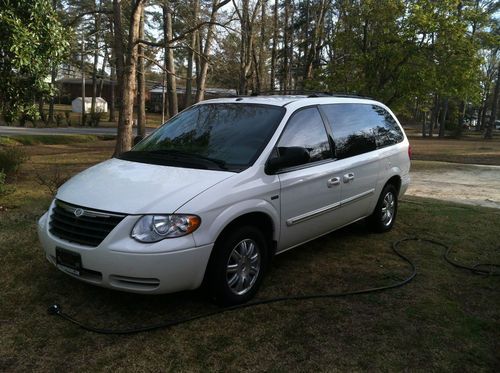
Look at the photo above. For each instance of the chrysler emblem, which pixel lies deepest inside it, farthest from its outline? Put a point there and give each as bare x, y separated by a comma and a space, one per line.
78, 212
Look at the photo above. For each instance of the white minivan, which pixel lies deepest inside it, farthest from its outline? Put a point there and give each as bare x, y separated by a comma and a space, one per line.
220, 188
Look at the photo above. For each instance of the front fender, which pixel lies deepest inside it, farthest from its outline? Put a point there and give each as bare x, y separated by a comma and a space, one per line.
231, 212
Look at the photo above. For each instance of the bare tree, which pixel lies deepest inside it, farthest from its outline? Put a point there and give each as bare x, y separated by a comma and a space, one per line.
141, 84
191, 55
169, 59
126, 61
202, 77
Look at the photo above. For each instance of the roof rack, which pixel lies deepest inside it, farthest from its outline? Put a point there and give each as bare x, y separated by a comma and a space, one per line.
289, 92
309, 94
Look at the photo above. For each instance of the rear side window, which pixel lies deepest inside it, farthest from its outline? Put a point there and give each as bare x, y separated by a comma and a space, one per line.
361, 128
306, 129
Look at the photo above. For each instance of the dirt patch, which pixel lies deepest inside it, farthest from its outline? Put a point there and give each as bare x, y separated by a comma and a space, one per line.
476, 185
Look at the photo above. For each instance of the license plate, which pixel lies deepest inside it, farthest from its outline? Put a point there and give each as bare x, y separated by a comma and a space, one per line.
68, 261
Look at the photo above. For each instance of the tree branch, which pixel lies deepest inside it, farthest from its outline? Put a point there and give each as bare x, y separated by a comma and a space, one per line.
183, 35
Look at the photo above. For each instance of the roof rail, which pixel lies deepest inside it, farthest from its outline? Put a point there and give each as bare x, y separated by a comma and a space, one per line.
349, 95
310, 94
289, 92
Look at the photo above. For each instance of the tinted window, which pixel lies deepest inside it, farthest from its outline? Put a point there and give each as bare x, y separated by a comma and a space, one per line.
361, 128
387, 131
228, 136
306, 129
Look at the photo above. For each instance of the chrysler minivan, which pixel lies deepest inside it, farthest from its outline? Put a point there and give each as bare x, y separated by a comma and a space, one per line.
215, 192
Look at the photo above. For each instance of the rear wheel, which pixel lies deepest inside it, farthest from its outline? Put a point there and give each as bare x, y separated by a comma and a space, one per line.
384, 216
238, 265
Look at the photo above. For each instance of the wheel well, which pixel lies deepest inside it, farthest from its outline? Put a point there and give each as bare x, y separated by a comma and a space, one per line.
257, 219
395, 181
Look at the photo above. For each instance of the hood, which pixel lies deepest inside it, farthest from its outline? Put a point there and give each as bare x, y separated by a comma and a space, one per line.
137, 188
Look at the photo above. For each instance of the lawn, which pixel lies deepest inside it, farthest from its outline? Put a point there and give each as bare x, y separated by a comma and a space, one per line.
445, 320
471, 149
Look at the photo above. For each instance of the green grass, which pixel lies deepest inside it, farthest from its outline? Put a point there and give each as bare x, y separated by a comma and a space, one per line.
445, 320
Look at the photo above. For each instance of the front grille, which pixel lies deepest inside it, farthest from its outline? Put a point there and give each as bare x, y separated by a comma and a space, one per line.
81, 225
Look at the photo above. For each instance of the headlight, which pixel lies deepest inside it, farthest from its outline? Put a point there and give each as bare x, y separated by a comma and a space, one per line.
153, 228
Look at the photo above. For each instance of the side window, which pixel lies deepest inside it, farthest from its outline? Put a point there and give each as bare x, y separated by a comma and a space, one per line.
387, 131
353, 128
306, 129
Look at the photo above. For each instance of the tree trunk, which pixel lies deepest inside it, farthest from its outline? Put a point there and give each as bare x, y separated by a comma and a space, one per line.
313, 44
53, 74
460, 126
141, 84
169, 60
94, 86
128, 77
112, 94
424, 125
443, 118
97, 23
494, 107
275, 43
200, 92
261, 72
102, 74
191, 57
286, 44
435, 115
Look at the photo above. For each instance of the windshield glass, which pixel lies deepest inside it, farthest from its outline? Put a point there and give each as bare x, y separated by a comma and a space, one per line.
227, 136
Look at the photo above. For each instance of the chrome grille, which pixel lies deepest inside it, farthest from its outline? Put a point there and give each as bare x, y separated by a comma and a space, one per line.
81, 225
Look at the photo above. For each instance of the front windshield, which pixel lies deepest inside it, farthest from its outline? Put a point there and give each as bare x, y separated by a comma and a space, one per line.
227, 136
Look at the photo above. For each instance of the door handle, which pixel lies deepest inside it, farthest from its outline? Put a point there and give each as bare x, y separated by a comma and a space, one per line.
333, 181
348, 177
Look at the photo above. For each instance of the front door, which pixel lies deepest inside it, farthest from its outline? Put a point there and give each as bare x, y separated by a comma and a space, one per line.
310, 192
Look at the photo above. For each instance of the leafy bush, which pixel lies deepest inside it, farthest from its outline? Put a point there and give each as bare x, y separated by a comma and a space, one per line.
59, 119
11, 158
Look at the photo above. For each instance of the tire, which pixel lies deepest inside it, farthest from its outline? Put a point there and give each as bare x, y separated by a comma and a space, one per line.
384, 215
237, 266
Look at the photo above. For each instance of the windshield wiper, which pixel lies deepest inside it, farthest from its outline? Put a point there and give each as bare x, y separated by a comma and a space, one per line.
179, 153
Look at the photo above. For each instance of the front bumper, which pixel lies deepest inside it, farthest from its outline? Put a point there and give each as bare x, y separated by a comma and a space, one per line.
122, 263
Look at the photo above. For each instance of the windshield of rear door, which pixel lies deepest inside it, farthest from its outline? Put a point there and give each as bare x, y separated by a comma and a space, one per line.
217, 136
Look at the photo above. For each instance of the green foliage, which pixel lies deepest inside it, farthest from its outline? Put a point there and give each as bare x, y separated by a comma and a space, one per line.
3, 187
396, 50
11, 158
33, 41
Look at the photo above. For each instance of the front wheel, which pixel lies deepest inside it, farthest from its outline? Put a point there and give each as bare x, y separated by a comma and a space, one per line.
384, 216
237, 266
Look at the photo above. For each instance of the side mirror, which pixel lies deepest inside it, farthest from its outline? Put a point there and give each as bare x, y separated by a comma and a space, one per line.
137, 140
289, 157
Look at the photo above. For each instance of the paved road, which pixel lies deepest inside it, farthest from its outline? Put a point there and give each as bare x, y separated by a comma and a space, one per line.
6, 131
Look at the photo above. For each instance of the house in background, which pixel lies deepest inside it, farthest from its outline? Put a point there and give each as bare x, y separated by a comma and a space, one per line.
156, 96
71, 88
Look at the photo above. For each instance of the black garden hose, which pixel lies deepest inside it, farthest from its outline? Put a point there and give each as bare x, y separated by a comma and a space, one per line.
485, 269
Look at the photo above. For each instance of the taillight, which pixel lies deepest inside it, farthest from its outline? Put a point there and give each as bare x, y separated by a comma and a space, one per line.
410, 152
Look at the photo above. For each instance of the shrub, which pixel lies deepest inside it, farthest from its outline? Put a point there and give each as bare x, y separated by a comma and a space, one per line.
11, 158
95, 119
3, 188
67, 115
59, 119
52, 179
